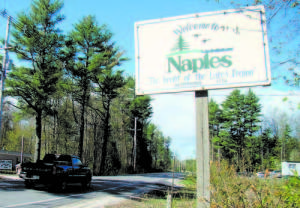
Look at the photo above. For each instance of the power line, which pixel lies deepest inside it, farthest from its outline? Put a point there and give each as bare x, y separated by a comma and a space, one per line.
26, 29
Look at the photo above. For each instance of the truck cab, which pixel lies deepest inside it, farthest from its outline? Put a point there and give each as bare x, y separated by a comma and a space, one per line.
56, 171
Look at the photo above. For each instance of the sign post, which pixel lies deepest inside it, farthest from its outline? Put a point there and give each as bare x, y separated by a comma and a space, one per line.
202, 149
199, 52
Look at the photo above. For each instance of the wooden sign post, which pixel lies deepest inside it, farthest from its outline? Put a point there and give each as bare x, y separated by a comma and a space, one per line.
202, 149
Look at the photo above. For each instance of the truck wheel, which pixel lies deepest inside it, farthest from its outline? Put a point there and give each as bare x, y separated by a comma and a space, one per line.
86, 185
28, 184
58, 186
63, 185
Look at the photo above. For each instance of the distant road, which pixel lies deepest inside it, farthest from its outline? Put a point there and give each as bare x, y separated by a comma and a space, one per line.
105, 190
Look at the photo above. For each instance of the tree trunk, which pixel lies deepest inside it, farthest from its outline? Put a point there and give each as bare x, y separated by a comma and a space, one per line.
106, 131
55, 131
212, 147
219, 154
262, 156
281, 150
81, 131
97, 158
38, 132
82, 123
45, 135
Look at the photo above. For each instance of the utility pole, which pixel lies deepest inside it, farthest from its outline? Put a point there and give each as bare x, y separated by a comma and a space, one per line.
173, 173
134, 145
134, 137
3, 74
22, 149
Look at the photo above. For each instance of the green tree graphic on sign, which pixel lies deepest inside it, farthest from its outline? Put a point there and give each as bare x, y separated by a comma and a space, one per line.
181, 44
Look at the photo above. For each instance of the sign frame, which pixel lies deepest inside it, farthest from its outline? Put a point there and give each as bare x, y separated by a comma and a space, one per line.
140, 90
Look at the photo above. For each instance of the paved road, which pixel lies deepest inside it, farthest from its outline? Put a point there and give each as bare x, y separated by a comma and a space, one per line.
105, 190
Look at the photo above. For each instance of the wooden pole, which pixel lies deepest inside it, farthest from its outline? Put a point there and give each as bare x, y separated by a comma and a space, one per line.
170, 195
134, 146
22, 149
3, 73
202, 150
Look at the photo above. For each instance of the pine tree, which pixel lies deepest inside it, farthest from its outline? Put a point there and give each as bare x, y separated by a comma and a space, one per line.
252, 121
108, 83
214, 125
33, 86
93, 57
181, 44
288, 143
141, 109
240, 117
233, 127
252, 113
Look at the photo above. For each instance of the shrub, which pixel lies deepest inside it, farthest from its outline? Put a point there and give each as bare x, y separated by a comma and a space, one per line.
228, 189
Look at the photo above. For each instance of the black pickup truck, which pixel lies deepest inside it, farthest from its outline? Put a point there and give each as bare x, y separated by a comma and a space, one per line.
56, 171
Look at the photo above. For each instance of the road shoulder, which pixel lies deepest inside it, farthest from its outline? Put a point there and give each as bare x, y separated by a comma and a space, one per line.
10, 177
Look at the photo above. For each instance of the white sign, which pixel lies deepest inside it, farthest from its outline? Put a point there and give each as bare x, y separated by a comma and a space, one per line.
6, 164
212, 50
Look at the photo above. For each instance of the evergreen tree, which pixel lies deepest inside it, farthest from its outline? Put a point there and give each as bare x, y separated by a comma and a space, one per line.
288, 143
33, 86
92, 52
241, 118
141, 109
167, 157
152, 135
214, 125
181, 44
263, 151
252, 113
108, 83
233, 129
252, 121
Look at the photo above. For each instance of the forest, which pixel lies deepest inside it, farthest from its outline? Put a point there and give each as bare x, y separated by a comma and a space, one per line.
247, 139
241, 134
70, 96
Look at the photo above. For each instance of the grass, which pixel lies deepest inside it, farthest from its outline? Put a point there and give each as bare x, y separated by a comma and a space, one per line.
182, 197
228, 189
189, 182
154, 201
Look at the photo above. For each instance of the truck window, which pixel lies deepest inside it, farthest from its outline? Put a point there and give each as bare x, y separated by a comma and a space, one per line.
76, 161
65, 158
49, 158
